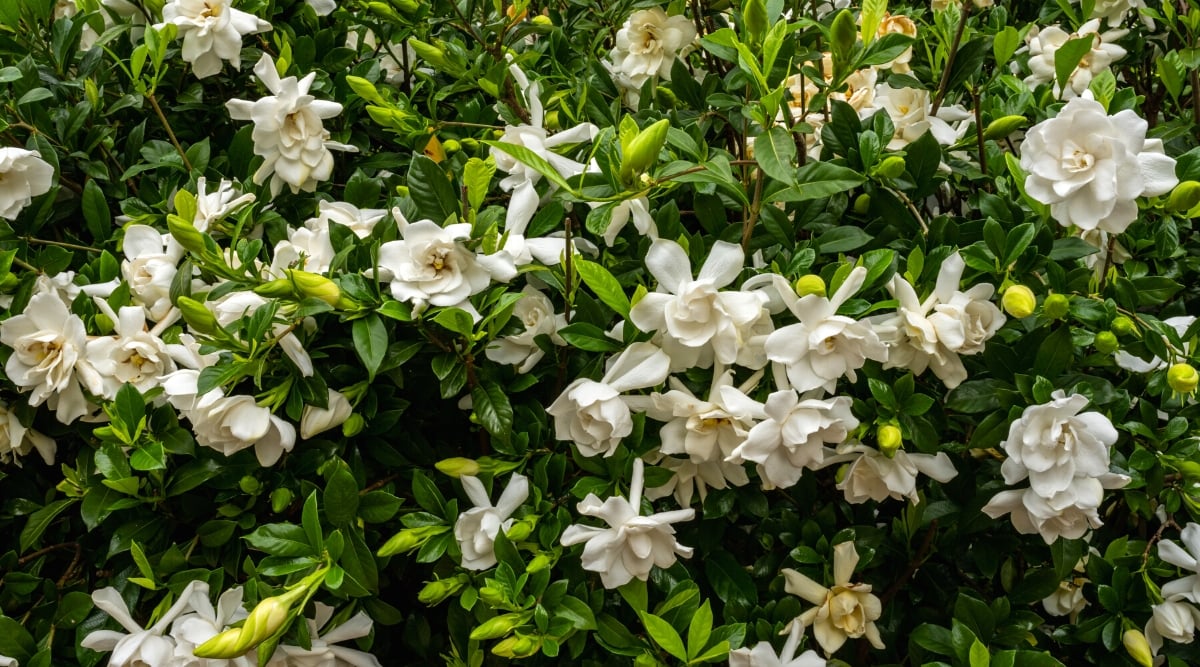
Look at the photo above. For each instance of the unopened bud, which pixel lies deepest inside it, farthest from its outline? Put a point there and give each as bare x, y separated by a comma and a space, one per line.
197, 316
1123, 326
520, 530
1056, 306
275, 289
1002, 127
384, 11
281, 499
754, 14
249, 484
542, 20
1019, 301
309, 284
538, 563
353, 425
220, 647
428, 52
891, 167
890, 440
1184, 197
500, 626
458, 466
451, 146
862, 204
643, 150
435, 592
1183, 379
552, 120
186, 234
518, 646
1137, 647
492, 596
810, 284
409, 539
1106, 342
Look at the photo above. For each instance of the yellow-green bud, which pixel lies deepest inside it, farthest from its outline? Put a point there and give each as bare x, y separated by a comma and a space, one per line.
1137, 647
401, 190
1019, 301
265, 620
810, 284
428, 52
491, 596
280, 288
353, 425
451, 146
552, 121
281, 499
406, 6
1184, 197
890, 439
409, 539
186, 234
1056, 306
1123, 326
384, 11
471, 143
643, 150
222, 646
520, 530
197, 316
315, 285
8, 282
1002, 127
1183, 378
541, 20
103, 322
458, 466
518, 646
435, 592
500, 626
862, 204
249, 484
538, 563
891, 167
1106, 342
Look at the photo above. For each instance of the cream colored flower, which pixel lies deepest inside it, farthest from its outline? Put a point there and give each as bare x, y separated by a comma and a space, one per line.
845, 611
902, 25
1044, 45
16, 440
23, 176
476, 528
315, 420
646, 47
211, 31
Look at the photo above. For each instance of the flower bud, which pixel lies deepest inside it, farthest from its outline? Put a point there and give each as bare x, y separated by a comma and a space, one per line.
518, 646
862, 204
186, 234
353, 425
316, 420
1106, 342
428, 52
435, 592
458, 466
643, 150
275, 289
1184, 197
1183, 378
221, 646
552, 121
538, 563
891, 167
249, 484
197, 316
1002, 127
492, 597
1056, 306
1123, 326
401, 190
500, 626
409, 539
520, 530
542, 20
810, 284
451, 146
890, 439
1137, 647
281, 499
1019, 301
384, 11
309, 284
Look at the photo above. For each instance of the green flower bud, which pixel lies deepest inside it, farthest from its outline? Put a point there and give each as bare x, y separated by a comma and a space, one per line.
891, 167
1106, 342
810, 284
542, 20
186, 234
500, 626
552, 121
643, 150
862, 204
890, 439
1183, 378
451, 146
276, 289
458, 466
406, 6
435, 592
222, 646
401, 190
428, 52
840, 476
1056, 306
1002, 127
353, 425
1137, 647
249, 484
315, 285
518, 646
384, 11
471, 143
520, 530
281, 499
1019, 301
538, 563
491, 596
1123, 326
409, 539
1184, 197
197, 316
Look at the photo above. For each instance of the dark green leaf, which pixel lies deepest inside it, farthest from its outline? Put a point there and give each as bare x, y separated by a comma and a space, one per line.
341, 498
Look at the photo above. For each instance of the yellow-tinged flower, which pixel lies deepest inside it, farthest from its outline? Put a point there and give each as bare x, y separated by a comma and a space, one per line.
1183, 378
1137, 646
842, 612
1019, 301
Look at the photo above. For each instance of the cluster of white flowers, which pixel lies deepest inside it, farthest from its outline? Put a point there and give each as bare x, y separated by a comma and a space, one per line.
1065, 456
1174, 618
192, 620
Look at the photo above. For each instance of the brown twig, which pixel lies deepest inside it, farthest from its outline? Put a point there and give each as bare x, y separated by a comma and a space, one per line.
375, 486
45, 550
170, 133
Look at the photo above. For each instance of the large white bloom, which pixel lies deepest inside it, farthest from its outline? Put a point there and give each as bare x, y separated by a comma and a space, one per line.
1184, 558
49, 358
229, 424
138, 646
1044, 45
150, 264
134, 355
476, 528
1175, 620
763, 654
16, 440
1069, 513
845, 611
23, 176
288, 130
324, 651
874, 476
593, 414
646, 46
693, 315
705, 430
536, 313
1051, 444
211, 31
632, 544
1091, 167
823, 346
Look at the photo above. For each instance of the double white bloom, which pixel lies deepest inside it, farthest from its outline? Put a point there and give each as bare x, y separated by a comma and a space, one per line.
211, 31
536, 312
874, 476
476, 528
1091, 167
1044, 46
23, 176
646, 47
288, 130
229, 424
49, 356
845, 611
632, 544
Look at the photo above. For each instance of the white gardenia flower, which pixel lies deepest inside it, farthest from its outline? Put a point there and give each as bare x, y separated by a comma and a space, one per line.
1115, 11
874, 476
763, 654
687, 477
23, 176
324, 651
288, 130
705, 430
133, 356
139, 647
316, 420
476, 528
211, 31
229, 424
593, 414
793, 435
1090, 167
536, 313
933, 333
150, 264
322, 7
1067, 599
693, 315
49, 358
632, 544
823, 346
212, 207
1180, 324
431, 266
16, 440
1069, 513
636, 210
1175, 620
1044, 45
909, 110
897, 24
205, 622
845, 611
1185, 558
1053, 443
646, 47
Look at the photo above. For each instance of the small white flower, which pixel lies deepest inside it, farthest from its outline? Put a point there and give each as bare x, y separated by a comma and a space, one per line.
16, 440
150, 264
1044, 45
211, 31
316, 420
1115, 11
873, 476
476, 528
1090, 167
430, 266
846, 611
536, 313
763, 654
632, 544
205, 622
909, 110
212, 207
1067, 600
324, 652
23, 176
593, 414
902, 25
646, 47
1175, 620
134, 355
137, 646
288, 130
1185, 558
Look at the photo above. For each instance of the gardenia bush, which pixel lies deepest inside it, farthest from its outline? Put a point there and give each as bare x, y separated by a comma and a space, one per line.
353, 333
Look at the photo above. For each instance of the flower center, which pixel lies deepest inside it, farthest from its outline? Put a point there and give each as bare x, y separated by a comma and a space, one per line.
211, 10
1079, 160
